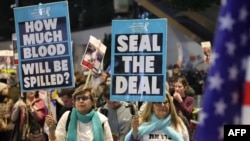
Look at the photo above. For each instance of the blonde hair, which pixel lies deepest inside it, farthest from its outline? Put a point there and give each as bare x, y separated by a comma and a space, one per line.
148, 111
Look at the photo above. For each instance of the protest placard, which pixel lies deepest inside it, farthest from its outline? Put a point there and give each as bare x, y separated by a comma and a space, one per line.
6, 62
44, 46
138, 61
93, 55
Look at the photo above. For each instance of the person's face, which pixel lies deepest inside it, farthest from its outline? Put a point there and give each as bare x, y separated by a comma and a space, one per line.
176, 71
30, 94
8, 61
161, 109
104, 76
207, 51
108, 81
83, 103
5, 91
171, 84
112, 104
67, 101
179, 88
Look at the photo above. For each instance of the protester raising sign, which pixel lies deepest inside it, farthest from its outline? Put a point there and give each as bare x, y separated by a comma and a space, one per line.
138, 63
44, 46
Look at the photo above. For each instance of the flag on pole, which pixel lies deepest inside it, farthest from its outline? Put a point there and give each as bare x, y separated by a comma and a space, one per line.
224, 90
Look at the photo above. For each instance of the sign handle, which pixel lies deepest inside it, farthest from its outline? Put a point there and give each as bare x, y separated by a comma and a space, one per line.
88, 78
49, 102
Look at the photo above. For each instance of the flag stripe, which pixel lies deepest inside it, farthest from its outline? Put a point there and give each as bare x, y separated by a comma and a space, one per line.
245, 115
246, 99
248, 72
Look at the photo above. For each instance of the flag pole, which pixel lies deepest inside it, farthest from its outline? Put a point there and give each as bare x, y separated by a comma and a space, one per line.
49, 103
87, 81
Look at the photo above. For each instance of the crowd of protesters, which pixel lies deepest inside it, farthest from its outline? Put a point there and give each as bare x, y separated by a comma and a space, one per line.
86, 112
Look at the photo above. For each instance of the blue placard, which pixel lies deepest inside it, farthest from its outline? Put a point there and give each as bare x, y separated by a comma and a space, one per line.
44, 46
138, 61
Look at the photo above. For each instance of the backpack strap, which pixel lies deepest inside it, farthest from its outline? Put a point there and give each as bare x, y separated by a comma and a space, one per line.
67, 122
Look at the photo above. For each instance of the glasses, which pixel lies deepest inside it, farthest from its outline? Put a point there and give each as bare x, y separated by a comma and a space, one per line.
160, 103
83, 98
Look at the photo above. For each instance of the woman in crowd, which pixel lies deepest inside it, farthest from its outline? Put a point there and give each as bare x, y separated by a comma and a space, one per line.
6, 105
159, 121
108, 80
104, 76
83, 123
184, 104
29, 117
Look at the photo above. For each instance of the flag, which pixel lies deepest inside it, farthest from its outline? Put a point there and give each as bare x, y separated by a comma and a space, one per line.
224, 87
246, 99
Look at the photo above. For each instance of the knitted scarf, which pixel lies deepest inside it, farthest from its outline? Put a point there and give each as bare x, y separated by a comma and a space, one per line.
157, 124
91, 116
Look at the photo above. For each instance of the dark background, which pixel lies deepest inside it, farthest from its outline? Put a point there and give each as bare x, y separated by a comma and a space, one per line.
83, 14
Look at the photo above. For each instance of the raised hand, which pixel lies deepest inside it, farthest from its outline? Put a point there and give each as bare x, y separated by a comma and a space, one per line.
177, 96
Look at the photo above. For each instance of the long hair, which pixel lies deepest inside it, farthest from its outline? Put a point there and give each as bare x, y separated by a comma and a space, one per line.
148, 111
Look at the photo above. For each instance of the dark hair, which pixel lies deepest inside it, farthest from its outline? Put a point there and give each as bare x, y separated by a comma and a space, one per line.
79, 77
106, 92
183, 81
107, 73
172, 79
68, 92
4, 80
176, 66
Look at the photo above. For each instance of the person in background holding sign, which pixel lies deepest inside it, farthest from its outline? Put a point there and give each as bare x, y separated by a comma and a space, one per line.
6, 105
84, 123
159, 121
29, 117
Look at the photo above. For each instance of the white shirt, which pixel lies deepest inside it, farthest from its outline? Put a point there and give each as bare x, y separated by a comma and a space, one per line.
84, 130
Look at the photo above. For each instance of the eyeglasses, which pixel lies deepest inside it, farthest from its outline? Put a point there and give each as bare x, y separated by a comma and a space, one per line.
160, 103
83, 98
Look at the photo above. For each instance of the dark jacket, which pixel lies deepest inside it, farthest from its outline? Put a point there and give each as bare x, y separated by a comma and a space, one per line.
14, 93
6, 105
